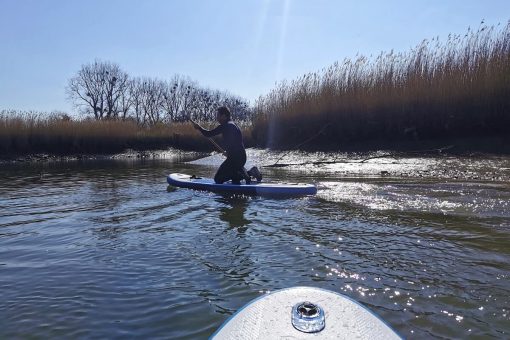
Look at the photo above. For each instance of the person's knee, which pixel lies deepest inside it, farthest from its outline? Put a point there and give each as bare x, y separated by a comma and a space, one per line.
219, 179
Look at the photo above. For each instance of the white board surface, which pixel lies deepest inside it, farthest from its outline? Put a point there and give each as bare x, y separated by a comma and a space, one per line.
269, 317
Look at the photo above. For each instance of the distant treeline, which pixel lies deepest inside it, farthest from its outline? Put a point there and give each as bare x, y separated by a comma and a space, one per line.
104, 91
456, 89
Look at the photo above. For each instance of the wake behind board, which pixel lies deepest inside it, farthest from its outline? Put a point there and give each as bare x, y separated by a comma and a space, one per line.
304, 313
262, 188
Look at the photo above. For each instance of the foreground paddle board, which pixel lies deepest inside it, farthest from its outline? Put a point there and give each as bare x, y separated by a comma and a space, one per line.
273, 316
262, 188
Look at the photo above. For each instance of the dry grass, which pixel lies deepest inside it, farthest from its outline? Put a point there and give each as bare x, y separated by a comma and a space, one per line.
460, 88
32, 132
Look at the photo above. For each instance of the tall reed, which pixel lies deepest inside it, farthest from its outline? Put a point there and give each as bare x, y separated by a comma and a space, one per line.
459, 88
24, 133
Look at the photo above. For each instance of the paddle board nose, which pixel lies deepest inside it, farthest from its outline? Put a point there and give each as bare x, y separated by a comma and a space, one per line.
304, 313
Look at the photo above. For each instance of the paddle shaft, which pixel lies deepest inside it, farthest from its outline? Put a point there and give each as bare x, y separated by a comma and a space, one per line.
219, 148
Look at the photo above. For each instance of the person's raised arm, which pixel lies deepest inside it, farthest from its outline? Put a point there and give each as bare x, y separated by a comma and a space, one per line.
208, 133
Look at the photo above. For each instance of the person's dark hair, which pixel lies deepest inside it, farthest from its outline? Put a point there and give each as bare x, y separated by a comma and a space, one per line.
223, 110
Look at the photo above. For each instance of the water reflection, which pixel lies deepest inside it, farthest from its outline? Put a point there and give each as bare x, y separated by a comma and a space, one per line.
234, 210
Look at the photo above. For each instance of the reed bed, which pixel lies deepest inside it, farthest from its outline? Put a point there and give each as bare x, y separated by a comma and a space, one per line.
454, 89
23, 133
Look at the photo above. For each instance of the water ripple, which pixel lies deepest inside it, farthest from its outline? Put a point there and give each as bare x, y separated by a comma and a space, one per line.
102, 249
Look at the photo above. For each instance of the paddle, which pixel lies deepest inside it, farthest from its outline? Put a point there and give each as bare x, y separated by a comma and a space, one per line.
219, 148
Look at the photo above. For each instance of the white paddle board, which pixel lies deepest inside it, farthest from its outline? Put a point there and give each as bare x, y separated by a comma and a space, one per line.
275, 316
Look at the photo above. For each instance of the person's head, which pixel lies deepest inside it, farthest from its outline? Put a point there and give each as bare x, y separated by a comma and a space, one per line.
223, 114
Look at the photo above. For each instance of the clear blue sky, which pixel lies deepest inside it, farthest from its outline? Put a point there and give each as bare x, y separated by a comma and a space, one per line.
243, 46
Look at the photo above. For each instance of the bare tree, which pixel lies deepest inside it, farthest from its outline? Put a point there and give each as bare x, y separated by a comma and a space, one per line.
239, 107
173, 101
153, 99
136, 98
147, 96
124, 102
107, 92
207, 101
201, 104
179, 95
98, 88
115, 88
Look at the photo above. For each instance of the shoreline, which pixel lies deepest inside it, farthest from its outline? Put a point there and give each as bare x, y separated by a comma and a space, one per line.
471, 147
126, 154
460, 147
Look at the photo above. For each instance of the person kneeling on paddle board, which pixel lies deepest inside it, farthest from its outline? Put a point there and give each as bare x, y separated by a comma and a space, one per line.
233, 167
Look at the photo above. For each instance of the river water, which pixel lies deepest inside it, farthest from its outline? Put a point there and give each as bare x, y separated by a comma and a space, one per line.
104, 249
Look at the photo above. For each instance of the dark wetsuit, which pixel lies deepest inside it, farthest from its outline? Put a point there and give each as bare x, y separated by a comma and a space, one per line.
233, 167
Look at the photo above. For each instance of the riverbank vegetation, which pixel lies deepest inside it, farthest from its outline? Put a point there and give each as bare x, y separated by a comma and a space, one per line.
117, 112
23, 133
456, 89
